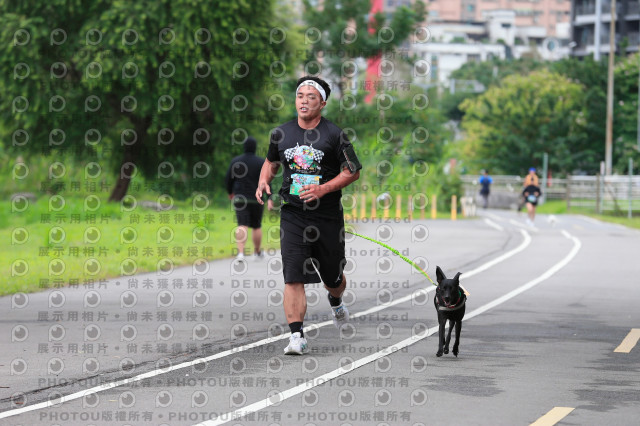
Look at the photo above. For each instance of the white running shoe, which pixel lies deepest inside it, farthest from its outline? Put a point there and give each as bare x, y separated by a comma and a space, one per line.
297, 345
340, 315
258, 256
240, 257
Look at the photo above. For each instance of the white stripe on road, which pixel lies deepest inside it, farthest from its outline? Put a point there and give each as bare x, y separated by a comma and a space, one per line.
522, 225
550, 272
526, 241
110, 385
629, 342
553, 416
281, 396
493, 224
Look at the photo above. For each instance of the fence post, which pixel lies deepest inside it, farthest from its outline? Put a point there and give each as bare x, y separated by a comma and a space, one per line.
598, 193
373, 206
434, 211
398, 206
629, 214
568, 193
410, 207
363, 206
454, 207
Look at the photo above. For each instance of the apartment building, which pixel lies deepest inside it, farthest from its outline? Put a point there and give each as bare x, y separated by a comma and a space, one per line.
551, 16
591, 26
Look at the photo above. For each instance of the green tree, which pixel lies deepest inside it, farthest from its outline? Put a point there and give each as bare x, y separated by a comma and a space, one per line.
399, 139
162, 88
625, 119
592, 75
488, 73
343, 30
509, 127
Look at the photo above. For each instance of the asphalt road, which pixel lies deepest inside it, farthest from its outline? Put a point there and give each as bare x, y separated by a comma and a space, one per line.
548, 307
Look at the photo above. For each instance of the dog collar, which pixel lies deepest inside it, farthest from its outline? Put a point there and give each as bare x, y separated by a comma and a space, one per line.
453, 307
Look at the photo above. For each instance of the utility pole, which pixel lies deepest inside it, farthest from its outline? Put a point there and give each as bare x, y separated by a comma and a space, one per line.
596, 33
612, 53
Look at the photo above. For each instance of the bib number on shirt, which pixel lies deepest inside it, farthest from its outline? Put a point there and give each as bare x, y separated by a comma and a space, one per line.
299, 180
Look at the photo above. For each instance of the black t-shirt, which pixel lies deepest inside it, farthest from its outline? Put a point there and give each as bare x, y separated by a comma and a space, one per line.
243, 175
311, 156
531, 191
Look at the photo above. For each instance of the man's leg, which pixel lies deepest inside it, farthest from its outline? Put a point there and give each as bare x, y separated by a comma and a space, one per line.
337, 292
256, 211
531, 211
295, 302
295, 308
256, 236
338, 310
241, 238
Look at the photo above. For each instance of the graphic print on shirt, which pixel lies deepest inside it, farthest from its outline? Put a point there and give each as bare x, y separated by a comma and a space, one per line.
304, 161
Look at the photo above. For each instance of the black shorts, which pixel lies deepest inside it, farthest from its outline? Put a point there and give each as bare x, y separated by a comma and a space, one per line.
310, 243
249, 214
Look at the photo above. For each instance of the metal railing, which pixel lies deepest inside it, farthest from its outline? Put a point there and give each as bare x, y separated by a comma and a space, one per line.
599, 193
590, 8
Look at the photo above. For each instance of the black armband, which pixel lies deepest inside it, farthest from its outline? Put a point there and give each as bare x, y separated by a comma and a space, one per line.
351, 158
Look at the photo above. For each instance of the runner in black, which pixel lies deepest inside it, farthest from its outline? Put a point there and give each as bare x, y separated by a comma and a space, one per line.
318, 162
241, 182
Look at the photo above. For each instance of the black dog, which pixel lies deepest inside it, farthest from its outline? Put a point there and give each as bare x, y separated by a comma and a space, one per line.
450, 303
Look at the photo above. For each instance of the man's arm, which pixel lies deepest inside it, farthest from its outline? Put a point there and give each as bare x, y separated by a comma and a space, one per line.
267, 173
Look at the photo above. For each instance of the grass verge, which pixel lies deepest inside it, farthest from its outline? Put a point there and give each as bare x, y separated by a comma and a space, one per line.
51, 246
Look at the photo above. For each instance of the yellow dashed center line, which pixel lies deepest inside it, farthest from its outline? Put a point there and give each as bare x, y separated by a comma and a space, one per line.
629, 342
553, 416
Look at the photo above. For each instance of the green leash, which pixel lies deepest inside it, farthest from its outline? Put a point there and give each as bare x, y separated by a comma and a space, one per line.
394, 251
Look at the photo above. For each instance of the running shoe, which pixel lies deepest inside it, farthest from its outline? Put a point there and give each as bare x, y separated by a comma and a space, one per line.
340, 315
297, 345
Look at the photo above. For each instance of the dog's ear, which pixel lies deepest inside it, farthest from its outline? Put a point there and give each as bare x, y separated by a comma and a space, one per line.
439, 275
457, 277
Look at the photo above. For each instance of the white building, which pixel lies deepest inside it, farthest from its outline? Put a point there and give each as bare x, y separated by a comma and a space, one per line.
453, 44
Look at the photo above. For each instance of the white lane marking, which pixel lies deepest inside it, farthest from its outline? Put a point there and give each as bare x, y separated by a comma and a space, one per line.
550, 272
494, 217
493, 224
629, 342
106, 386
281, 396
522, 225
526, 241
591, 220
553, 416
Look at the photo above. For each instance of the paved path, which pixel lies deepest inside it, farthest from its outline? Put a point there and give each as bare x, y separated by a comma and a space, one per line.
549, 306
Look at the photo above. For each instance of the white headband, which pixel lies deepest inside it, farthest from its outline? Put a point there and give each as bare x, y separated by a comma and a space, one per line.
315, 86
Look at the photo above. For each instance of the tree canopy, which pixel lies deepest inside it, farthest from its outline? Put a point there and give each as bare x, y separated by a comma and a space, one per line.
161, 88
344, 30
510, 126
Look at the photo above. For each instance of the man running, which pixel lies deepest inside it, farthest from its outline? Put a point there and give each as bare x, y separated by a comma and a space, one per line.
318, 162
241, 182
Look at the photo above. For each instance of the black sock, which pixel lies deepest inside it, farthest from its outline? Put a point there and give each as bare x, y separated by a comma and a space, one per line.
296, 327
334, 301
